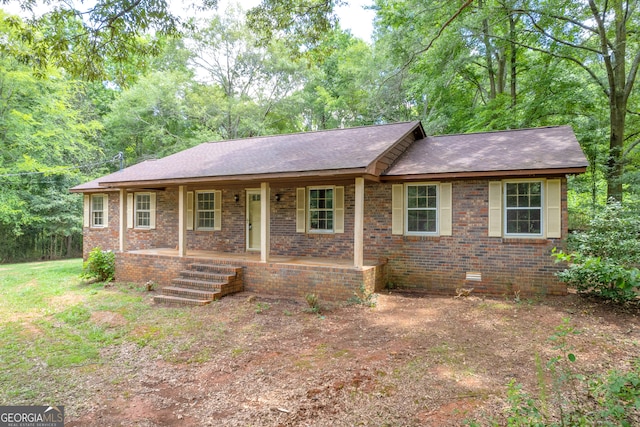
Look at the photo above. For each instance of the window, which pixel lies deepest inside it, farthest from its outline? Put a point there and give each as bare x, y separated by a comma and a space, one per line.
523, 208
422, 208
143, 210
321, 209
98, 208
205, 210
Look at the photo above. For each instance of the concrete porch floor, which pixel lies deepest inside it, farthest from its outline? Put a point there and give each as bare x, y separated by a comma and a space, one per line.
254, 257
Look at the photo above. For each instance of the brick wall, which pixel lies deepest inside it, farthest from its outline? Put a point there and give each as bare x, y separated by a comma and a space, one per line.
436, 264
330, 283
106, 238
439, 264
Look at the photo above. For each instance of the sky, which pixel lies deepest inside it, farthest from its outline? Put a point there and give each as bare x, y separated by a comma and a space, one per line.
352, 16
357, 19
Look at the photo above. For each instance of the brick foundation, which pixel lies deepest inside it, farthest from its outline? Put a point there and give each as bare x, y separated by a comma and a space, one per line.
329, 282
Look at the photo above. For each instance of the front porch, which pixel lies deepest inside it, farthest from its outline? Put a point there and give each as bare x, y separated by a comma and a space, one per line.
285, 276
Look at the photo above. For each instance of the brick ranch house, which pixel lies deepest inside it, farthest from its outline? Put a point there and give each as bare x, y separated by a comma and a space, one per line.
329, 212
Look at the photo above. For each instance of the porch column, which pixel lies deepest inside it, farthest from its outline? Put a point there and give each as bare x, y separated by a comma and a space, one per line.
265, 221
123, 220
358, 225
182, 221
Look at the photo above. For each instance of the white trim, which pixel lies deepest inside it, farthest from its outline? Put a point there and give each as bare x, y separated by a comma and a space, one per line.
136, 211
436, 209
196, 210
249, 192
333, 209
104, 210
542, 209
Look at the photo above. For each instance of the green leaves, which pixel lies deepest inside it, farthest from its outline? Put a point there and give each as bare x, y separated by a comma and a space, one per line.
604, 259
109, 41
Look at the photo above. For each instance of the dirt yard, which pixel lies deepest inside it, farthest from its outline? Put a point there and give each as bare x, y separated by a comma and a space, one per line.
413, 360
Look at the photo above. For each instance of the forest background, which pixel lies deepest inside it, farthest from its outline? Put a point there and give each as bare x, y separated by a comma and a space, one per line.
81, 84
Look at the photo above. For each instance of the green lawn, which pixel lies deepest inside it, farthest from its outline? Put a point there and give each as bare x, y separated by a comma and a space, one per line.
47, 333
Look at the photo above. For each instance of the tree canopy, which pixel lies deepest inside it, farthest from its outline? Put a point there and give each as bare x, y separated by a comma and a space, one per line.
79, 86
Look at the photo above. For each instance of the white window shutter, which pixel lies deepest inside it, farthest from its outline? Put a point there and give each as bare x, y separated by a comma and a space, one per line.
189, 210
495, 209
445, 214
130, 210
397, 209
301, 207
217, 210
105, 212
152, 210
554, 208
338, 207
87, 211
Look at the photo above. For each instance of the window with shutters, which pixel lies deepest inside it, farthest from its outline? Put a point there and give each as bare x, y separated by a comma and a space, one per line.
523, 208
205, 210
321, 209
143, 210
98, 210
422, 208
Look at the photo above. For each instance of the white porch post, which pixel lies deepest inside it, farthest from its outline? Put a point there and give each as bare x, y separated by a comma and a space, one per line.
182, 221
123, 220
358, 225
265, 221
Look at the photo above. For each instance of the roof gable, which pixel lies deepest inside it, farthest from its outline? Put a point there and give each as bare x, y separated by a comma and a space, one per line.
391, 152
353, 149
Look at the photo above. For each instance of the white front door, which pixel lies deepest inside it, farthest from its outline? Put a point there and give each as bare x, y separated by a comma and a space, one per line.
253, 220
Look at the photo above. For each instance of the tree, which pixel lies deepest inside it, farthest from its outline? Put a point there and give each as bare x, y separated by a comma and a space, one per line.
247, 83
602, 39
302, 24
339, 88
46, 135
106, 41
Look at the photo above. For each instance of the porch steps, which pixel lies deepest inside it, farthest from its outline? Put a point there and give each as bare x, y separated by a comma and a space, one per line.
202, 283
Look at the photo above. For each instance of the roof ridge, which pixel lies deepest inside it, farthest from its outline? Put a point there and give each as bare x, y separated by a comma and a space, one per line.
498, 131
311, 131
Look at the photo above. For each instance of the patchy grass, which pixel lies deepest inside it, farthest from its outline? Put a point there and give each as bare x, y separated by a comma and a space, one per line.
49, 329
109, 351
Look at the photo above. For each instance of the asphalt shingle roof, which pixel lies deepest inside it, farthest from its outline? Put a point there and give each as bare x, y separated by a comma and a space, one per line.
300, 152
525, 149
357, 148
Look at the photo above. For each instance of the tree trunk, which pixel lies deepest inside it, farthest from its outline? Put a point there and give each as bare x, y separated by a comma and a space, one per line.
512, 53
618, 89
488, 54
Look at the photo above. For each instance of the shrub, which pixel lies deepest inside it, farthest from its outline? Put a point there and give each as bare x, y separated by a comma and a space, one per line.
603, 261
363, 297
100, 265
313, 302
575, 399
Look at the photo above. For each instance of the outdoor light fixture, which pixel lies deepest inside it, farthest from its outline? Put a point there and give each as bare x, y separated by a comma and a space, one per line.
236, 198
277, 197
